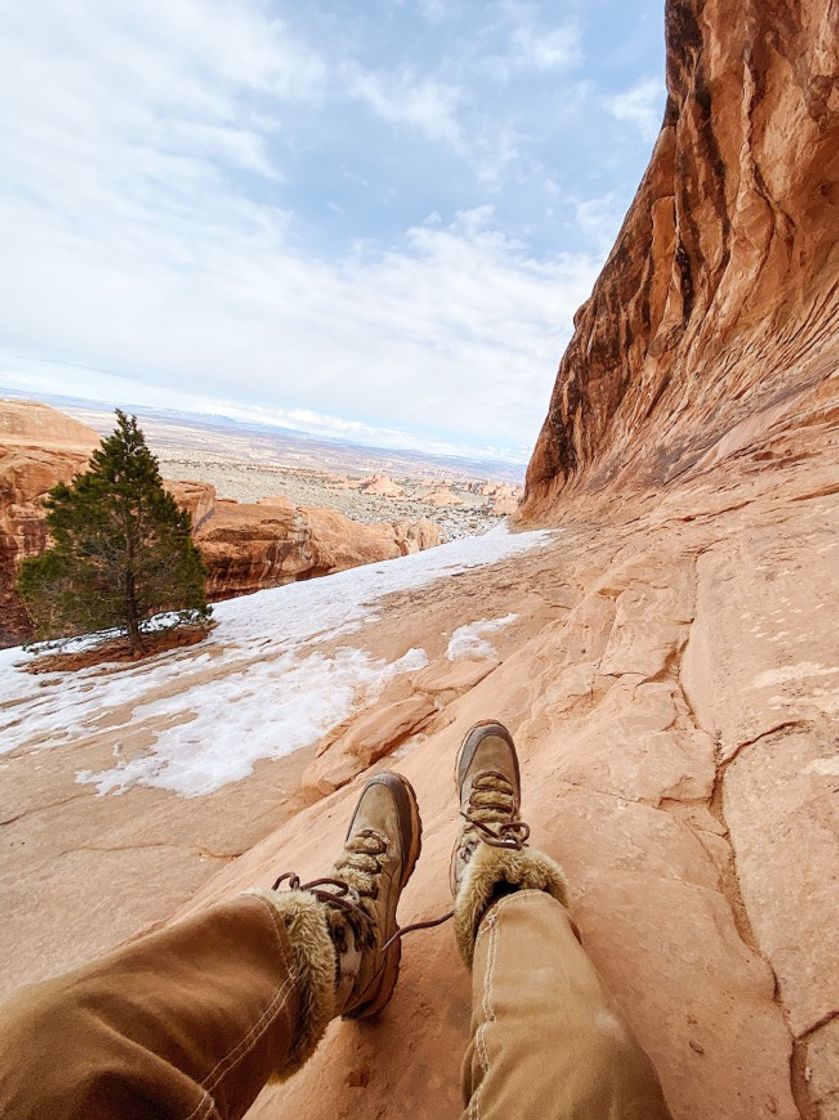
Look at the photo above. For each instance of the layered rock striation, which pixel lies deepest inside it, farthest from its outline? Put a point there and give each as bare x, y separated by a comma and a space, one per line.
712, 325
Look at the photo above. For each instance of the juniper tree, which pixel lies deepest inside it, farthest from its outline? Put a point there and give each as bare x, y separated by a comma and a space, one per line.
121, 549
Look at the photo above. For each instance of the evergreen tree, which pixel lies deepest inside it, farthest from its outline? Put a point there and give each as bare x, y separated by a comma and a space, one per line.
121, 550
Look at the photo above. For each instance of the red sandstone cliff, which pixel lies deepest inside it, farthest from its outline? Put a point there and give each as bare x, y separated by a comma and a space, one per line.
245, 547
712, 326
39, 447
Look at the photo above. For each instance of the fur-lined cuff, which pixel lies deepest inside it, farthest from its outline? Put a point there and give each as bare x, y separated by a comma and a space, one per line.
313, 951
527, 869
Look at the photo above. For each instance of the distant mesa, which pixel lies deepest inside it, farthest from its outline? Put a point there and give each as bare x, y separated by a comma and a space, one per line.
381, 485
439, 496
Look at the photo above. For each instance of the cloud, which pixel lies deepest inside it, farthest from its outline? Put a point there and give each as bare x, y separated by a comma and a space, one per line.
156, 243
532, 46
403, 98
435, 11
600, 218
641, 105
546, 48
457, 328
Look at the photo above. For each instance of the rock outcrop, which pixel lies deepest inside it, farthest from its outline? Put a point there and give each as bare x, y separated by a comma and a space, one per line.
245, 547
383, 485
701, 373
439, 496
712, 325
39, 447
248, 547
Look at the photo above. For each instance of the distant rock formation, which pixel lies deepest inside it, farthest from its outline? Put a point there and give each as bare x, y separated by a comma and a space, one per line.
245, 547
439, 496
711, 322
382, 485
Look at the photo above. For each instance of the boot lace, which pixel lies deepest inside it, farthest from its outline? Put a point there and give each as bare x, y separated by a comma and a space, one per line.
492, 815
357, 879
491, 818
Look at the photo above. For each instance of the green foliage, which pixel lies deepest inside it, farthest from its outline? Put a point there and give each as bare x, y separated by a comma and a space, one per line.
121, 551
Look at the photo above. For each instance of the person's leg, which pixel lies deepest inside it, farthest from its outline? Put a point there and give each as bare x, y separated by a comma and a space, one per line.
548, 1042
190, 1022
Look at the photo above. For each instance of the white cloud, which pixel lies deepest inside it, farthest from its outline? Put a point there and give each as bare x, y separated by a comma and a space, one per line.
546, 48
642, 105
533, 46
403, 98
600, 219
136, 243
435, 11
461, 321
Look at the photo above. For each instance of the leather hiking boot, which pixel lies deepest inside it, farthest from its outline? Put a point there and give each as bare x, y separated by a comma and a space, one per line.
362, 892
489, 788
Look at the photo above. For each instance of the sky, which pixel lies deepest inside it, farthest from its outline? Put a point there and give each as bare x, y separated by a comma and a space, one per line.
372, 220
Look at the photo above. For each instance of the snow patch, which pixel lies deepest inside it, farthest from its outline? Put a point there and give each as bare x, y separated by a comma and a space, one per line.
467, 641
257, 687
266, 711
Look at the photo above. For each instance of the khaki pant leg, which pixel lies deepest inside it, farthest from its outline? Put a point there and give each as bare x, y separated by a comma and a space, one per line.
188, 1023
548, 1042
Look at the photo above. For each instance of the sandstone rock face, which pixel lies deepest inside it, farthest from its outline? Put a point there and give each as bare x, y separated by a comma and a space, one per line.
715, 315
39, 447
704, 364
248, 547
355, 746
31, 424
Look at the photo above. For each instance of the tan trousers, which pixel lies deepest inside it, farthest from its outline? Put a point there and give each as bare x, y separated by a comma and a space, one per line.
188, 1023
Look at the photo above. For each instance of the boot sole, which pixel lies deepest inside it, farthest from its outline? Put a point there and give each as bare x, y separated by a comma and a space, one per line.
407, 799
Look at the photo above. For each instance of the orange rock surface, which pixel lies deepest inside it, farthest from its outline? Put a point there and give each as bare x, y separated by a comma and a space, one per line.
247, 547
713, 323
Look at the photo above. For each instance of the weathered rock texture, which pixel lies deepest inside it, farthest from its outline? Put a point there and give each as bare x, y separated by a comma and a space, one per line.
39, 447
245, 547
704, 364
713, 321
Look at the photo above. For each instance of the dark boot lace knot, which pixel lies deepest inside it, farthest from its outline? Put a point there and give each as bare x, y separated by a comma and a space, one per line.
491, 815
357, 872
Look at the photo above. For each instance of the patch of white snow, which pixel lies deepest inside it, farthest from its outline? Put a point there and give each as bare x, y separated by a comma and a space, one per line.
467, 641
257, 687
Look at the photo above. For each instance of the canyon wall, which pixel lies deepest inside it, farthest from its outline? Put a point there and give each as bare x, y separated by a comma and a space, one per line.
712, 325
39, 447
245, 546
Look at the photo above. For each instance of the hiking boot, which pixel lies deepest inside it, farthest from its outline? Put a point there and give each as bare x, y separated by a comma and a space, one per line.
361, 895
489, 789
491, 856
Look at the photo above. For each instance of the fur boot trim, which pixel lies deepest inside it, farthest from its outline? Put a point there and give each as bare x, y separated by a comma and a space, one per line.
526, 869
313, 951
